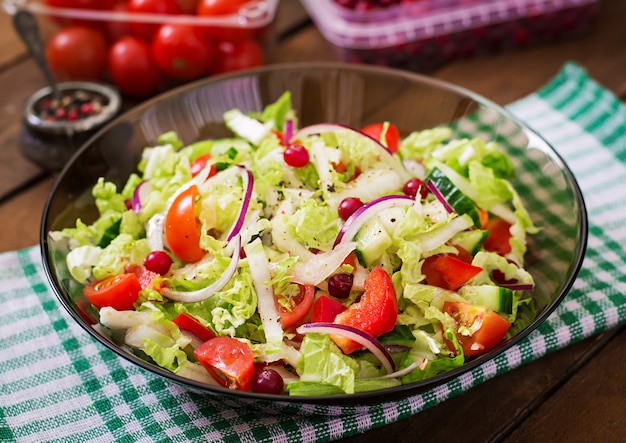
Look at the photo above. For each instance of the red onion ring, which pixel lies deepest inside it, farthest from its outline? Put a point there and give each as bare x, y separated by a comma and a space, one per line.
355, 334
248, 184
439, 196
139, 195
361, 215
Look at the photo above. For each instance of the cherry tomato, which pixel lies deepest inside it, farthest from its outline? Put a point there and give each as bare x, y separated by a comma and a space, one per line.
326, 309
448, 272
386, 133
118, 291
375, 312
147, 30
301, 305
77, 53
199, 164
491, 327
499, 237
234, 56
132, 69
229, 361
181, 227
180, 52
212, 8
189, 323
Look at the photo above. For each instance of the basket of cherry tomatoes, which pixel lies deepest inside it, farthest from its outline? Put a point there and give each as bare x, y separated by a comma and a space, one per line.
146, 46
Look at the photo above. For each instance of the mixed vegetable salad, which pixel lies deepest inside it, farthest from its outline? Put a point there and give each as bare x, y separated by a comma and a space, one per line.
308, 261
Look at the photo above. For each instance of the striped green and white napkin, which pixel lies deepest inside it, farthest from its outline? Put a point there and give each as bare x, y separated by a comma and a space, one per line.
57, 383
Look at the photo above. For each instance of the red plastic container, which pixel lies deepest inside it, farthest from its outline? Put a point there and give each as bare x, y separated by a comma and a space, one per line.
423, 34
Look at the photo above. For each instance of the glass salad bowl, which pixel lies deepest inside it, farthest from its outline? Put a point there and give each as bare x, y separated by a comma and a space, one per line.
348, 95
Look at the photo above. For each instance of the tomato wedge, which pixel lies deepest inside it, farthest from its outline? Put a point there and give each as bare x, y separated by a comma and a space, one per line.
182, 232
491, 327
199, 164
189, 323
118, 291
301, 305
229, 361
385, 133
326, 309
448, 272
375, 313
499, 237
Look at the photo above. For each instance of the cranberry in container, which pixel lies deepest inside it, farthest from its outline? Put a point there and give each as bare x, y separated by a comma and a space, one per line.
420, 35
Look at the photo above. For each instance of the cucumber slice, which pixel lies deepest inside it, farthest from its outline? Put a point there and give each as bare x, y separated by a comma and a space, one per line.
495, 298
372, 241
471, 241
457, 200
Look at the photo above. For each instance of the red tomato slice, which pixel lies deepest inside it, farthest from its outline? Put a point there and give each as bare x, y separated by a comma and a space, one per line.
375, 313
187, 322
492, 327
118, 291
499, 237
448, 272
326, 309
229, 361
386, 133
199, 163
182, 232
301, 306
147, 279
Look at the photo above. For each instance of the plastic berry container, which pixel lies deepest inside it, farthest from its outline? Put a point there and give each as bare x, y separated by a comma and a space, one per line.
143, 51
423, 34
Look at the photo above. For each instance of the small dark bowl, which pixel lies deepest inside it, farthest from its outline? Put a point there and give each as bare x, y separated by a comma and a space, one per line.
328, 92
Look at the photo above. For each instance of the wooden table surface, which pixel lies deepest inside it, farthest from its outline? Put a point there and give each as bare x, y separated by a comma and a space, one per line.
574, 395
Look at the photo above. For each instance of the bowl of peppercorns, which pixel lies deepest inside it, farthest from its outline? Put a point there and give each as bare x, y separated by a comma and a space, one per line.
57, 121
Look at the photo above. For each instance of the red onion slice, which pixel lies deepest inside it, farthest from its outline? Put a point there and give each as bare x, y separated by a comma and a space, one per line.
140, 194
518, 286
361, 215
322, 128
355, 334
439, 196
288, 130
248, 184
217, 285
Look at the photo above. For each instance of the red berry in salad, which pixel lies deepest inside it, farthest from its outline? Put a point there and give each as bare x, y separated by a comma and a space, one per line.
415, 185
340, 285
296, 156
348, 206
158, 261
268, 381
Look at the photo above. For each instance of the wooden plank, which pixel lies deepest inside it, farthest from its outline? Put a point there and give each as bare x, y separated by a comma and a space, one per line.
12, 47
21, 217
590, 407
15, 169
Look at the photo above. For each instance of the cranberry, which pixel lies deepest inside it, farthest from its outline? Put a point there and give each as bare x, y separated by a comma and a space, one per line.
268, 381
414, 185
348, 206
296, 156
340, 285
158, 261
